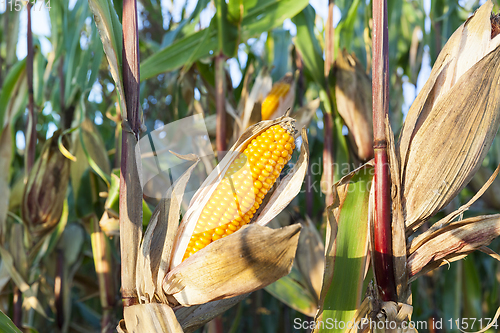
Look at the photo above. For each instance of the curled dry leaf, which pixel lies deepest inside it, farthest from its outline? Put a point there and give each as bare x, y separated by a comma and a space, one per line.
193, 317
353, 92
245, 261
310, 257
46, 188
451, 242
152, 317
453, 121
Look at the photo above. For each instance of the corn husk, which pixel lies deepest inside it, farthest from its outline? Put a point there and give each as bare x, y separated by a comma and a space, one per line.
45, 191
274, 202
353, 92
241, 264
310, 257
452, 242
452, 122
255, 254
193, 317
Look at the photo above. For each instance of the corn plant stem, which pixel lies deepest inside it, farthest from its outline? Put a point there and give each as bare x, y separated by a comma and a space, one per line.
220, 76
382, 232
31, 128
30, 147
104, 270
58, 289
130, 188
328, 156
328, 159
329, 34
17, 307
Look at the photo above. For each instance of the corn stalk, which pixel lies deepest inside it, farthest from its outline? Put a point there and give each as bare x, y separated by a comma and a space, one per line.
382, 243
130, 187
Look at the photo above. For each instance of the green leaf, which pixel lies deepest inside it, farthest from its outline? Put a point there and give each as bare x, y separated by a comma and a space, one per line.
348, 249
110, 29
13, 93
346, 27
227, 32
292, 291
6, 325
308, 45
264, 16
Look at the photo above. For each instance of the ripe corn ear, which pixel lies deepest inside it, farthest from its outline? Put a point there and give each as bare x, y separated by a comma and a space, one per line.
245, 184
279, 91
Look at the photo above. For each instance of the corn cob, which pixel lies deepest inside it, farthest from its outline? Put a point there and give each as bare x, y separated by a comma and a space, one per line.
244, 186
279, 90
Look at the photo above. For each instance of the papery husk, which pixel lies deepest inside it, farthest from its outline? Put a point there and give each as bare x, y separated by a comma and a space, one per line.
154, 256
492, 196
310, 257
452, 242
353, 92
284, 192
193, 317
398, 224
45, 191
150, 318
245, 261
304, 115
452, 122
261, 87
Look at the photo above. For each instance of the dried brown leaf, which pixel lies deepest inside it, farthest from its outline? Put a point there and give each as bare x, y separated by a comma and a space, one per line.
240, 263
353, 92
151, 318
154, 257
452, 242
193, 317
452, 122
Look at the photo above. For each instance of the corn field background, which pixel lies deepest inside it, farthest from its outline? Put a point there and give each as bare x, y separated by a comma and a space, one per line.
206, 68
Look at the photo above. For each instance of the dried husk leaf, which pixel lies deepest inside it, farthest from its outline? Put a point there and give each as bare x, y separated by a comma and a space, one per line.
436, 159
452, 242
151, 318
262, 86
205, 191
398, 224
193, 317
44, 194
310, 257
154, 256
353, 92
451, 143
492, 196
426, 235
304, 115
245, 261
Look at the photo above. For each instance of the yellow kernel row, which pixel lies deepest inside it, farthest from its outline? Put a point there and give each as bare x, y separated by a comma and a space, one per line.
245, 184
